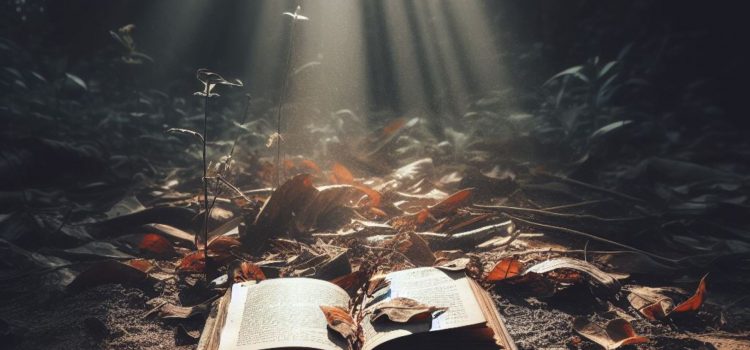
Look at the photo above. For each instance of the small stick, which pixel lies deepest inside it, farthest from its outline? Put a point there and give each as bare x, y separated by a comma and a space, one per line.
593, 237
576, 205
560, 215
592, 187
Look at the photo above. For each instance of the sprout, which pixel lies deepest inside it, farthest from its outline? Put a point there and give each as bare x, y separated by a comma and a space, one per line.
296, 16
125, 38
210, 80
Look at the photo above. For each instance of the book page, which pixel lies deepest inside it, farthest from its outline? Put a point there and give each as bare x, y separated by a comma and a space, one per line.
280, 313
429, 286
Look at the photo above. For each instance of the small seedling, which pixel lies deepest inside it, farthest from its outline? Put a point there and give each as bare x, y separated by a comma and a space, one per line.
209, 80
276, 137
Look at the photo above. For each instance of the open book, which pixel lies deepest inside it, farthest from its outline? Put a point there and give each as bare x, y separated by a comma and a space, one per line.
285, 313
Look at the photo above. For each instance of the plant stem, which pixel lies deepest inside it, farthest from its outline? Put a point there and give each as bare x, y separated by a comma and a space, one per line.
205, 186
281, 102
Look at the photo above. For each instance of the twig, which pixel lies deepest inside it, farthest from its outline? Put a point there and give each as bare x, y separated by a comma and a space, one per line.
559, 215
232, 187
282, 96
592, 187
593, 237
576, 205
205, 183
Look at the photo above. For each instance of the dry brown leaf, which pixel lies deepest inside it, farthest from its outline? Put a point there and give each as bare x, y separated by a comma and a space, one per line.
403, 310
453, 202
341, 175
376, 283
247, 271
504, 269
615, 334
340, 321
155, 244
109, 271
562, 267
654, 305
416, 249
351, 282
694, 302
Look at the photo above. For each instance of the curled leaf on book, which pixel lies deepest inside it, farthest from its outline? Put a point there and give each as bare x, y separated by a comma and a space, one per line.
340, 321
653, 304
403, 310
616, 333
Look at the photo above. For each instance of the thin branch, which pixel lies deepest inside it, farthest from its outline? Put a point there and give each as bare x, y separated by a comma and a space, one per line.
593, 237
559, 215
592, 187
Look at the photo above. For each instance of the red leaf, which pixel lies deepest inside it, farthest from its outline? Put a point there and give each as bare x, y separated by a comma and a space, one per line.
341, 174
193, 262
248, 271
156, 244
504, 269
694, 302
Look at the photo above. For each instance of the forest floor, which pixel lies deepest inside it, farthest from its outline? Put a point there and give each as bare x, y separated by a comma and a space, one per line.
100, 231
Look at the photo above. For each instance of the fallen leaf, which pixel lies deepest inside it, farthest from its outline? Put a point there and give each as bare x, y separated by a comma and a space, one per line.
374, 196
309, 164
393, 126
608, 282
376, 283
505, 268
694, 302
340, 321
450, 204
106, 272
171, 311
247, 271
653, 304
403, 310
141, 264
193, 262
616, 333
341, 175
156, 244
351, 282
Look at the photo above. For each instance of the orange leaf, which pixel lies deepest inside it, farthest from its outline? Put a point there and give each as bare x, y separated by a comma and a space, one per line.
341, 174
156, 244
309, 164
377, 212
141, 264
393, 126
221, 247
422, 216
288, 164
452, 203
340, 321
506, 268
193, 262
249, 272
694, 302
374, 195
